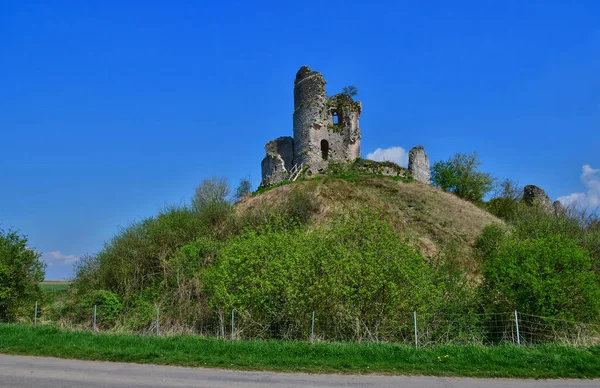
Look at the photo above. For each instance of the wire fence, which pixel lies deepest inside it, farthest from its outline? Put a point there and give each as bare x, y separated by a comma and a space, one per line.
417, 329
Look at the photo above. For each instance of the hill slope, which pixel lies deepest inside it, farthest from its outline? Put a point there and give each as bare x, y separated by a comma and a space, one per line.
434, 218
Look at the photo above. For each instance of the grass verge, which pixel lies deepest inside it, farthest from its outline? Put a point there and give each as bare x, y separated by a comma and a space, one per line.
547, 361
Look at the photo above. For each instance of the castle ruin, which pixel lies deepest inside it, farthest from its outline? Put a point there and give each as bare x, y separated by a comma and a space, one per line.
325, 129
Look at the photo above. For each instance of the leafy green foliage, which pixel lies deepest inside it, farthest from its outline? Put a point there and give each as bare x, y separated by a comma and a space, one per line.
140, 309
274, 267
506, 202
138, 257
548, 275
20, 271
244, 188
356, 270
460, 175
350, 90
182, 295
211, 202
108, 306
541, 263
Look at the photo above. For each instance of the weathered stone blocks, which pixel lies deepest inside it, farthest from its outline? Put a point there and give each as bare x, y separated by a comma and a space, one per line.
278, 162
325, 129
418, 165
536, 196
559, 209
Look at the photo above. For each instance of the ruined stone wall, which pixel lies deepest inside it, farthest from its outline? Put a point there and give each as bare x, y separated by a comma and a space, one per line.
536, 196
279, 160
558, 208
343, 136
418, 165
325, 129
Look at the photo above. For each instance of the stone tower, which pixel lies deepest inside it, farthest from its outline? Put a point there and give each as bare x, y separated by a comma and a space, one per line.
418, 164
325, 129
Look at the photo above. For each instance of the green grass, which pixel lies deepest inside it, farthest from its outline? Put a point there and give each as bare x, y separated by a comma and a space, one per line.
349, 173
548, 361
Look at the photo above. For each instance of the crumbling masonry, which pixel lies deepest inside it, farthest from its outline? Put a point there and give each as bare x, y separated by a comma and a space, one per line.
325, 129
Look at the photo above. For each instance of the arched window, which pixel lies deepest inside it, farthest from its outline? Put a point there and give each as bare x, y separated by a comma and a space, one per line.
324, 149
336, 118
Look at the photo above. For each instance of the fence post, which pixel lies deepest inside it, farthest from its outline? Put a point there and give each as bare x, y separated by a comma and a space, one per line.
35, 315
312, 329
416, 335
95, 318
157, 322
232, 325
517, 325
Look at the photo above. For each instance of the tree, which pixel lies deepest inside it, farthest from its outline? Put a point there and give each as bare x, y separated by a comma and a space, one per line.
459, 175
245, 187
506, 201
350, 90
20, 271
211, 200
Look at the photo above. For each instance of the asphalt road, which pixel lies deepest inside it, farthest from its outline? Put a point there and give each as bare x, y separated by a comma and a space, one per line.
18, 371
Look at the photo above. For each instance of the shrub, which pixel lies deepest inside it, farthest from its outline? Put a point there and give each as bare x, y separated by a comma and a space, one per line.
108, 306
460, 175
182, 295
211, 201
488, 242
548, 276
357, 274
506, 202
298, 205
140, 312
244, 188
138, 256
20, 271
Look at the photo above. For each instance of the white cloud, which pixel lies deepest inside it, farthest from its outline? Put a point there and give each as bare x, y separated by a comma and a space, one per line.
57, 256
397, 155
590, 199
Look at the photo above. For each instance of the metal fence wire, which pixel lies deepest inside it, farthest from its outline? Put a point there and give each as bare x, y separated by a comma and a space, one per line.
411, 328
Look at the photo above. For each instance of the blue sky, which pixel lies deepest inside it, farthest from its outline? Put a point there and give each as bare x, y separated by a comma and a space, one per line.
110, 110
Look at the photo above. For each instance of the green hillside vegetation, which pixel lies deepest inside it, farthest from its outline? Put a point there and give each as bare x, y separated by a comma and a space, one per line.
362, 251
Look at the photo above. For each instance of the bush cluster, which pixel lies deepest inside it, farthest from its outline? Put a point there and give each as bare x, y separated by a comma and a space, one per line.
20, 271
355, 270
540, 262
274, 267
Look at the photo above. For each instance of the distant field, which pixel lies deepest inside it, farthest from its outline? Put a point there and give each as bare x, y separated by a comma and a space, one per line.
55, 285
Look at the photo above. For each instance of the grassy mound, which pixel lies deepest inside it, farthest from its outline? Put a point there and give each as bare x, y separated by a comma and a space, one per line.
437, 220
341, 245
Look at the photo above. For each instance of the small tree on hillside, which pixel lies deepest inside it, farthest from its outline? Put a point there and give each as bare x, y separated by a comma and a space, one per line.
506, 199
211, 201
245, 187
350, 90
460, 175
20, 271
